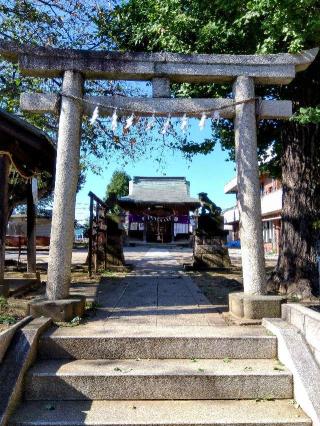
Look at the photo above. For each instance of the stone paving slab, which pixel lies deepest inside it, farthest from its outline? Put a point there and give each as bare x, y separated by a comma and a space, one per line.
157, 293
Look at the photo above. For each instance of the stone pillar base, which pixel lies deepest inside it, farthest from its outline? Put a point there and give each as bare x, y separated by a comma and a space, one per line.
61, 310
252, 307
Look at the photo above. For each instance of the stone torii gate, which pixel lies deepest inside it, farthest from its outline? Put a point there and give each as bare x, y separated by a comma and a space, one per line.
244, 71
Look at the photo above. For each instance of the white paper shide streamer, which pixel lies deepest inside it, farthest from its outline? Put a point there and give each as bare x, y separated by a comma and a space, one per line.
129, 121
114, 121
184, 123
216, 115
166, 126
151, 123
202, 121
95, 115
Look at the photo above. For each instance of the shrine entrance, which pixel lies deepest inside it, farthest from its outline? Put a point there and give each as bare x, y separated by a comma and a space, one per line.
159, 226
162, 69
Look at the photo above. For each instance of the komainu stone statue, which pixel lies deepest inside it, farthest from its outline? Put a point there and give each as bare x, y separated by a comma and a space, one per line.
208, 249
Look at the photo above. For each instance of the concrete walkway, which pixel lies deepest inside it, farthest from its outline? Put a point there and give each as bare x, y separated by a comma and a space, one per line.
156, 293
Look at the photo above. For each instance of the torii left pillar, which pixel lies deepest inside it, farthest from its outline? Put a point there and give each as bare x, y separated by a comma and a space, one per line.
59, 305
65, 189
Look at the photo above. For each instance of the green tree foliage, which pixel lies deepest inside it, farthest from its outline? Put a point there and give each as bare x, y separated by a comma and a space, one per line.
45, 23
206, 26
247, 27
119, 184
117, 187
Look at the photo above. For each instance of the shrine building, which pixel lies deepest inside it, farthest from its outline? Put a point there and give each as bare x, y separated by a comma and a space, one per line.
158, 209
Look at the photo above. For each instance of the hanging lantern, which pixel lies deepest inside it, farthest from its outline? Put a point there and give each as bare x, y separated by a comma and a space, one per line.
202, 121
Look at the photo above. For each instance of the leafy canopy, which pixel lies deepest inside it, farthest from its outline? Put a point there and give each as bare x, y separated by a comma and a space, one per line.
219, 26
207, 26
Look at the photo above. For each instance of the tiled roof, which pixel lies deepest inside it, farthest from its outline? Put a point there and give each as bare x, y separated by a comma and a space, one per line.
163, 190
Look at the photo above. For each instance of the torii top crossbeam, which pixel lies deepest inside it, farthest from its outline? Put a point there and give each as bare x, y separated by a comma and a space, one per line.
161, 69
50, 62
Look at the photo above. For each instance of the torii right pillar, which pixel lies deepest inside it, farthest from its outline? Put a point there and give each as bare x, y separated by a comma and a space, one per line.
253, 304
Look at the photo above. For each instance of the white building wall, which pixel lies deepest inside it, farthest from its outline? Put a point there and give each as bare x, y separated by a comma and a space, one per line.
270, 203
18, 226
231, 215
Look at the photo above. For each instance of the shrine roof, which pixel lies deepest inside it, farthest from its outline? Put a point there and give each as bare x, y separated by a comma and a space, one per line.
31, 149
159, 190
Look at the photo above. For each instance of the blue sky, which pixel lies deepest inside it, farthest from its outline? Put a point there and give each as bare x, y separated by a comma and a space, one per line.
206, 173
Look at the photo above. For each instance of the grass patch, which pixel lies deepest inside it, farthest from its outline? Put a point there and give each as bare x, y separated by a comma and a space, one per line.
6, 316
3, 303
7, 319
73, 323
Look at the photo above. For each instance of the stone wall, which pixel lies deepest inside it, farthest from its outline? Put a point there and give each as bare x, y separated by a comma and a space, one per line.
307, 321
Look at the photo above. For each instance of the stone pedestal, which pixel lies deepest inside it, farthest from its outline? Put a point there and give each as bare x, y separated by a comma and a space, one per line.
61, 310
210, 254
255, 307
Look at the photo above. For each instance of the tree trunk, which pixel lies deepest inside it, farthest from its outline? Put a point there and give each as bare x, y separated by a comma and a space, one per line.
301, 204
297, 269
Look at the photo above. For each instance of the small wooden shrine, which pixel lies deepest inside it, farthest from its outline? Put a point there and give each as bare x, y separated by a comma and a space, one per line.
29, 151
158, 209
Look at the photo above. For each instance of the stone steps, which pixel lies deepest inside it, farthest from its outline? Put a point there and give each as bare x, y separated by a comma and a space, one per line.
158, 379
143, 376
161, 343
160, 413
